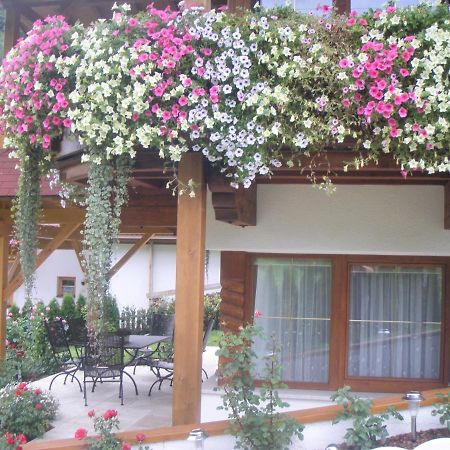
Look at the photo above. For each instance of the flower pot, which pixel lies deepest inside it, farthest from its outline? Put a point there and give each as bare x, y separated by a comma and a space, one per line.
69, 145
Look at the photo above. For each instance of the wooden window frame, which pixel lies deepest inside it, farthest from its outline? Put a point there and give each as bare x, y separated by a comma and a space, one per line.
340, 285
59, 285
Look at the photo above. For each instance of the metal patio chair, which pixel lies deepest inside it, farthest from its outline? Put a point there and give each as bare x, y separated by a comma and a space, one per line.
163, 367
104, 363
68, 365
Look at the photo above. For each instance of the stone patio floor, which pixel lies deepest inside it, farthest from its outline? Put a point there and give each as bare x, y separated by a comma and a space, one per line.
155, 411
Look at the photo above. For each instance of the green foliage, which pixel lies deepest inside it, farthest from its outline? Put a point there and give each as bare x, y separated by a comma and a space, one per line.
26, 212
212, 307
14, 312
367, 428
68, 308
254, 419
54, 310
106, 195
159, 305
442, 409
110, 313
25, 410
81, 306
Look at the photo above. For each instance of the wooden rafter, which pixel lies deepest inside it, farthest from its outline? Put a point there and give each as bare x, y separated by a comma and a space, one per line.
76, 245
14, 269
65, 232
129, 254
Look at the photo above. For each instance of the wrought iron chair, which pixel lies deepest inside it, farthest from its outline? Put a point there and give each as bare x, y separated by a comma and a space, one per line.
77, 335
160, 325
163, 367
104, 362
68, 365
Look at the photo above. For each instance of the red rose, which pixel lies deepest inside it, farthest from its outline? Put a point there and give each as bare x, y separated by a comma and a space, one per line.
81, 433
19, 447
109, 414
23, 386
37, 391
38, 406
9, 438
126, 446
21, 438
140, 437
91, 413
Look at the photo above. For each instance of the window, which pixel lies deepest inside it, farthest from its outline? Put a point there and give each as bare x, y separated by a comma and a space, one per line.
395, 321
65, 285
371, 322
300, 322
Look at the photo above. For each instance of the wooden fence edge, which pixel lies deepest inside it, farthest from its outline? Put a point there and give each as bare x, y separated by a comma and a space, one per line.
220, 427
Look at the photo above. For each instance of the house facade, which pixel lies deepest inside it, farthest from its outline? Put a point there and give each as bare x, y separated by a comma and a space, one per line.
354, 286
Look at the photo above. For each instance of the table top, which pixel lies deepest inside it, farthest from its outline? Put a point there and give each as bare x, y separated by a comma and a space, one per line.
137, 341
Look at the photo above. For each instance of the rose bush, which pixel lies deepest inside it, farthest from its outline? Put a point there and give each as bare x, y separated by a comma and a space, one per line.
25, 410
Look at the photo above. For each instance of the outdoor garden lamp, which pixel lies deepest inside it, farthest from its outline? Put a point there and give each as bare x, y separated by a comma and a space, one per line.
198, 437
413, 398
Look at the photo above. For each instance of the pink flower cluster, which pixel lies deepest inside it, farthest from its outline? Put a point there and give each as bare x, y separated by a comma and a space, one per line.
170, 45
33, 96
380, 86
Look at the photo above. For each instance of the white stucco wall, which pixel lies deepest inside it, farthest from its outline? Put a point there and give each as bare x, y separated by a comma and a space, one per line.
130, 284
396, 220
62, 263
164, 259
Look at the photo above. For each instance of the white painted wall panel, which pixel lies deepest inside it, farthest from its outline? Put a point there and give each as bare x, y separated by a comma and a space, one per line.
402, 220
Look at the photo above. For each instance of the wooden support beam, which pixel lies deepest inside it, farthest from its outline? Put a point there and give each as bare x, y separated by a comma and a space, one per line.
235, 206
132, 251
65, 232
342, 6
447, 206
190, 268
14, 269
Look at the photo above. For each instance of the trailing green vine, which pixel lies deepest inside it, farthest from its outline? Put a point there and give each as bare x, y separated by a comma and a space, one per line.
26, 215
106, 195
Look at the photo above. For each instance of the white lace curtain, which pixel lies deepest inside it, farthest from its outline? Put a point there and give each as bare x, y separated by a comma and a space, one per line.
293, 297
395, 322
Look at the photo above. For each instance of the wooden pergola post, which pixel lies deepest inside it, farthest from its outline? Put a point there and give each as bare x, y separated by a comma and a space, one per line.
5, 229
190, 268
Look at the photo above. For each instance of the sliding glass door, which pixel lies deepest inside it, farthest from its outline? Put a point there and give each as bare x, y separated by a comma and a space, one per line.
292, 304
394, 323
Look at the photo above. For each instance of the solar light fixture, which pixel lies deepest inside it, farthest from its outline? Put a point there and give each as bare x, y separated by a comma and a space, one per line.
331, 447
198, 437
413, 398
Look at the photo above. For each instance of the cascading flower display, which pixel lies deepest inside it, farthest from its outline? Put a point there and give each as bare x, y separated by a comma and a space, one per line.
250, 92
399, 83
33, 111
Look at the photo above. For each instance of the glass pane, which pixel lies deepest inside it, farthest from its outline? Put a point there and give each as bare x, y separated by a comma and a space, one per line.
292, 302
364, 5
304, 6
395, 322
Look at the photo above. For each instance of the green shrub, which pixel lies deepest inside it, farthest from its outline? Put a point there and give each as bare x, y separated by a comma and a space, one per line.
54, 310
25, 410
14, 312
111, 314
81, 306
254, 419
212, 307
68, 308
159, 305
367, 428
442, 410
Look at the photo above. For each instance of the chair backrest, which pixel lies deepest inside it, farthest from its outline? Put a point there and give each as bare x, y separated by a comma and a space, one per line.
207, 331
162, 324
107, 351
57, 338
77, 331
